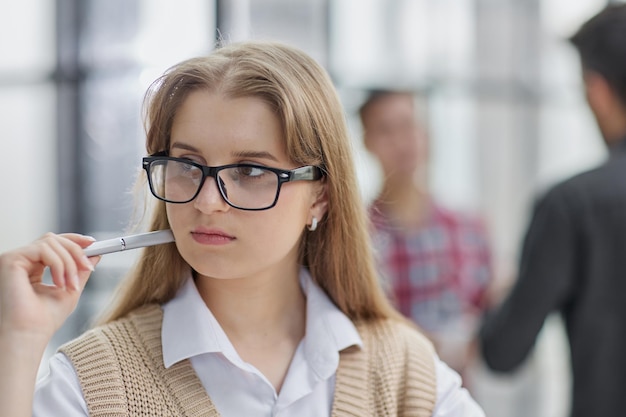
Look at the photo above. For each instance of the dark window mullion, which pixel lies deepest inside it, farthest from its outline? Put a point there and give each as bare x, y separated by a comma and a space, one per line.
68, 81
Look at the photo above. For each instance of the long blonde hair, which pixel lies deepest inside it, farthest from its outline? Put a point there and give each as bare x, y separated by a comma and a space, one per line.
338, 254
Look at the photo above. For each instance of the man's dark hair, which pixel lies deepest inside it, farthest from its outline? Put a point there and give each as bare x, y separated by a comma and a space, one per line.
601, 43
375, 95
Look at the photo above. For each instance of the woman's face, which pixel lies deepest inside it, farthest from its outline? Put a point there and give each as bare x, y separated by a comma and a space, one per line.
220, 241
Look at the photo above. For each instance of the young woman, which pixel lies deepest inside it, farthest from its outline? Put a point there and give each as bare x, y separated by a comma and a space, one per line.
268, 302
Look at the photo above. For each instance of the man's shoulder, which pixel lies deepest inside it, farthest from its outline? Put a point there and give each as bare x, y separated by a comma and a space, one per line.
584, 178
587, 184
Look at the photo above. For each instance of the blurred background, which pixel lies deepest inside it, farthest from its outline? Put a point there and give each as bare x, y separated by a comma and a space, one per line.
502, 88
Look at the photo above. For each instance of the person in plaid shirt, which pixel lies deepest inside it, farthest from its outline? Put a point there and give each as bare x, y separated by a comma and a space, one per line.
434, 263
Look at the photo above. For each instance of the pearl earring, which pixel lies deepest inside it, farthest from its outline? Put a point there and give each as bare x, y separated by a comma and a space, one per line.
313, 225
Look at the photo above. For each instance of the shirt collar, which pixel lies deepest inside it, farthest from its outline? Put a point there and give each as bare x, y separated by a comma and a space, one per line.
328, 329
187, 318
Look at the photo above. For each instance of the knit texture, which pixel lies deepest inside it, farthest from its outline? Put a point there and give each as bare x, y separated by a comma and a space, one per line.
121, 372
392, 375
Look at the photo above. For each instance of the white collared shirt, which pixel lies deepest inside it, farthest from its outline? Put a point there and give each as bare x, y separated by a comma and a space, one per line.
190, 331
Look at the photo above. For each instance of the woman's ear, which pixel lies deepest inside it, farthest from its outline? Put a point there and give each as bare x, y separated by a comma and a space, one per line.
319, 204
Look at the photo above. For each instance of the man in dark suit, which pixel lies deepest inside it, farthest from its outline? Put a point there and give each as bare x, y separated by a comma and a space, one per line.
574, 255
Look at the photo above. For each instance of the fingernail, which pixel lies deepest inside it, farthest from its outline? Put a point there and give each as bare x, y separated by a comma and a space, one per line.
74, 282
88, 263
93, 239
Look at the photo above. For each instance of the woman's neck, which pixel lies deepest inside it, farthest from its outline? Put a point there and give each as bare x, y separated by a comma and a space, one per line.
257, 308
264, 318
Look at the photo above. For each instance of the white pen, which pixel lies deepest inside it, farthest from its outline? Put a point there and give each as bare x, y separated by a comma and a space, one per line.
120, 244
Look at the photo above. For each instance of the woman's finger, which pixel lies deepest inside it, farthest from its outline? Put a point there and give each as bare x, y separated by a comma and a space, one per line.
62, 255
84, 275
76, 248
82, 240
68, 252
50, 258
75, 243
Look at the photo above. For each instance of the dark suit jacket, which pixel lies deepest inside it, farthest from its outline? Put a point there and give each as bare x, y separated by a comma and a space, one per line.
574, 262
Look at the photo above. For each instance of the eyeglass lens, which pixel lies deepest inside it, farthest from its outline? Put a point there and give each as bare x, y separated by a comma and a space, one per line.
242, 186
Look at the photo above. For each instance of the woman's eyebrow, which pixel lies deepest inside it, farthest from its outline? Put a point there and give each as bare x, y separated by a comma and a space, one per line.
236, 154
255, 155
184, 146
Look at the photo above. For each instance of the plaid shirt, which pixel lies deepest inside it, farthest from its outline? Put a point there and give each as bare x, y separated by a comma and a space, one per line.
436, 275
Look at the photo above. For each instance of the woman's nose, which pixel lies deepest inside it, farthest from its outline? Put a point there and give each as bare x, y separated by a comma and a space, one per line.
209, 198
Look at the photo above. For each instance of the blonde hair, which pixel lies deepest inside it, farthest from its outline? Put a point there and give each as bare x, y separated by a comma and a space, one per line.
338, 254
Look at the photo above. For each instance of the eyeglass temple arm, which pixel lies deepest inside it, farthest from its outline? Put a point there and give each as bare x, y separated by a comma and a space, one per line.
306, 173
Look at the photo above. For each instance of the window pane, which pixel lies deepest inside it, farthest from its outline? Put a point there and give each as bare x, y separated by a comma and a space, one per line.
27, 41
400, 42
28, 171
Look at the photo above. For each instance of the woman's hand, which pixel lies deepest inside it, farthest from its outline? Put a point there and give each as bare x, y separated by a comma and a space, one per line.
31, 311
31, 308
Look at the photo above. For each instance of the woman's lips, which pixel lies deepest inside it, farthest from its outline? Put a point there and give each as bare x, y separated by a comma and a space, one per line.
211, 237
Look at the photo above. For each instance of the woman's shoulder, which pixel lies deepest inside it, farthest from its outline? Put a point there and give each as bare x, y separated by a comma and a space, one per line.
394, 342
397, 356
103, 354
397, 334
143, 323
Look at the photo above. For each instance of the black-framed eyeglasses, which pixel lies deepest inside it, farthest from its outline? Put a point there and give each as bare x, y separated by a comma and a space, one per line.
242, 186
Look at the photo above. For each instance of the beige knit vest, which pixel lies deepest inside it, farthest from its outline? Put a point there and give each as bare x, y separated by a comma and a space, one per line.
121, 371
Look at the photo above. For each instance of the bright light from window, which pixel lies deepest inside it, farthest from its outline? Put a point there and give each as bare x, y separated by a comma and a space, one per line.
563, 17
174, 31
27, 41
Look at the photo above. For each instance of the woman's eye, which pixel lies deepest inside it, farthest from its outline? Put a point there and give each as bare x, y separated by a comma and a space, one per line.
182, 168
188, 167
250, 171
